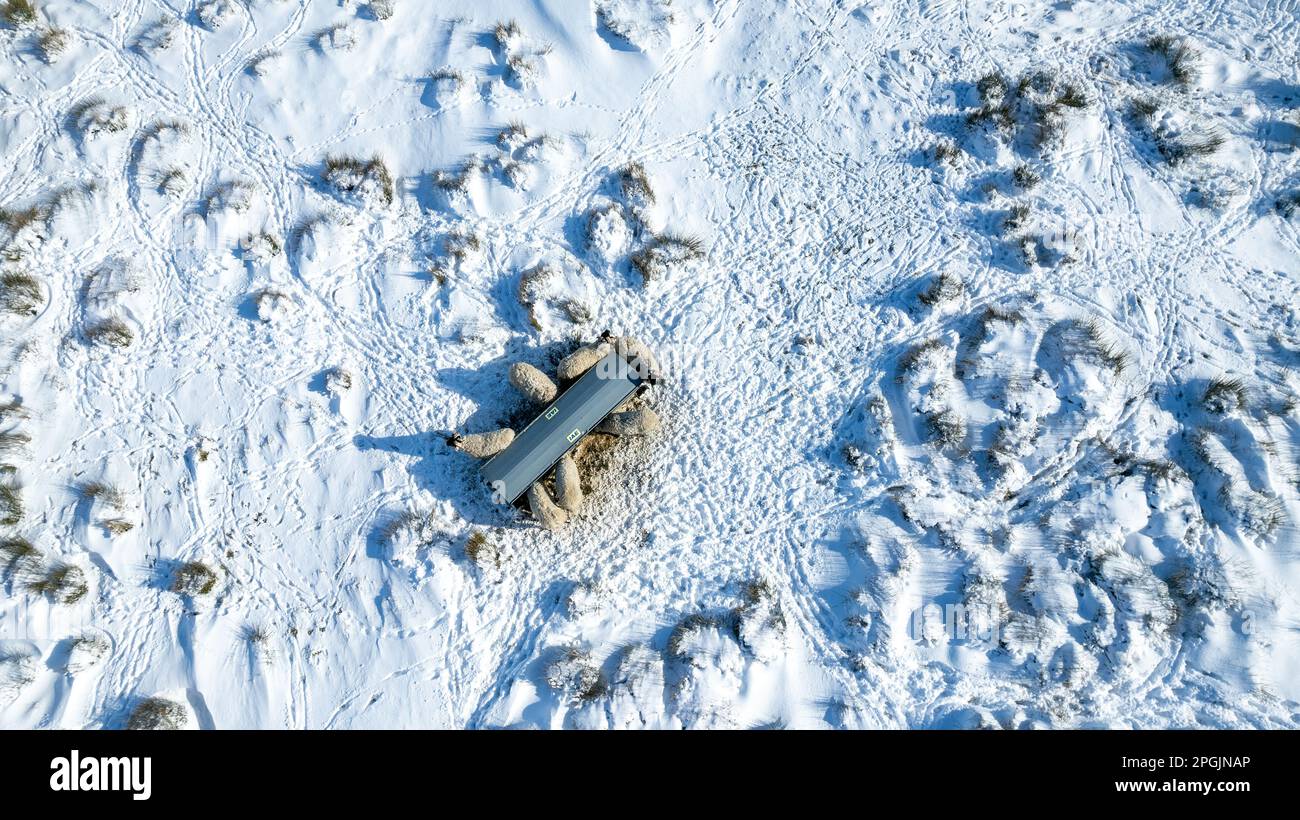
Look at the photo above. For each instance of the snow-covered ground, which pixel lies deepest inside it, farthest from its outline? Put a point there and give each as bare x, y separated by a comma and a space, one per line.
981, 405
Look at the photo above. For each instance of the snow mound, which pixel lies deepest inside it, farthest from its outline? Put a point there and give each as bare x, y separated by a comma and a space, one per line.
1046, 517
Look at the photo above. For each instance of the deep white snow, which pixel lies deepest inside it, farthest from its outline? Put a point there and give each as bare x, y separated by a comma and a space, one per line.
945, 349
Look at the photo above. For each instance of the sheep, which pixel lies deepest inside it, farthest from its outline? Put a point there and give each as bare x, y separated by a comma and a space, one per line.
582, 360
483, 445
637, 422
548, 514
533, 383
568, 485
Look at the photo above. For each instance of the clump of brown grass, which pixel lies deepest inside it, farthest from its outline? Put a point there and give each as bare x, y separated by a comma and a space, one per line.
112, 331
51, 43
193, 578
157, 713
945, 287
116, 526
663, 252
458, 181
102, 491
634, 184
480, 550
1224, 395
18, 555
460, 245
18, 13
687, 628
1181, 60
13, 442
352, 174
11, 502
946, 152
61, 583
505, 34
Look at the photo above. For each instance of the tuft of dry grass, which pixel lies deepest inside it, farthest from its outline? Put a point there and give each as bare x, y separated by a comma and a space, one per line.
573, 673
1072, 97
18, 13
101, 491
688, 628
946, 429
994, 315
1181, 60
94, 116
116, 526
946, 152
1034, 109
112, 332
193, 578
913, 358
576, 312
1224, 395
157, 713
521, 68
531, 282
459, 245
20, 293
12, 409
1178, 151
1143, 109
351, 174
1048, 122
513, 134
1001, 116
1024, 177
338, 380
1256, 511
13, 442
17, 221
259, 65
261, 244
1015, 219
505, 34
1106, 351
480, 550
530, 287
663, 252
1161, 469
269, 303
85, 649
404, 521
338, 36
945, 287
61, 583
159, 35
11, 503
1288, 204
51, 43
458, 181
634, 184
18, 555
992, 88
448, 75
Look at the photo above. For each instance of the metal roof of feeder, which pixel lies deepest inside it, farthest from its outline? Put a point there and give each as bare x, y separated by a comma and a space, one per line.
561, 425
